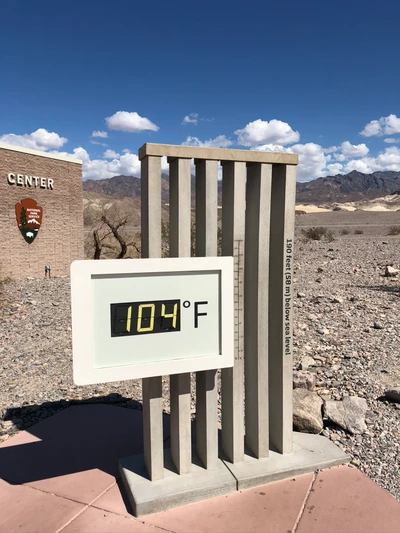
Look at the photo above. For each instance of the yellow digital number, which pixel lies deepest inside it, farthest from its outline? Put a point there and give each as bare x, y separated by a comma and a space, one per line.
129, 319
171, 315
139, 320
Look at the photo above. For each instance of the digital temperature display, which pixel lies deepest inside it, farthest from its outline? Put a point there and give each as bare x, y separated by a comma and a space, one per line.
141, 318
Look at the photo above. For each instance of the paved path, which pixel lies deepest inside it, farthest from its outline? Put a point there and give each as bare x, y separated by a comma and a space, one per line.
61, 476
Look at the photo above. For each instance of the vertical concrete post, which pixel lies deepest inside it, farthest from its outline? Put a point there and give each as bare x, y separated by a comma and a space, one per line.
280, 316
258, 200
206, 245
233, 232
179, 246
151, 247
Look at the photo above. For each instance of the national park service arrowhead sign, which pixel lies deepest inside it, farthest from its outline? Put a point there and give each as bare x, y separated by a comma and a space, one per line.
29, 218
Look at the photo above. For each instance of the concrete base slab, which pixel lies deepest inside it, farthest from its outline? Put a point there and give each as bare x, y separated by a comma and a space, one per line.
310, 453
147, 497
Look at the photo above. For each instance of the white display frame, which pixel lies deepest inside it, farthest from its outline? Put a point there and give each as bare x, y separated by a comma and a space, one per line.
83, 343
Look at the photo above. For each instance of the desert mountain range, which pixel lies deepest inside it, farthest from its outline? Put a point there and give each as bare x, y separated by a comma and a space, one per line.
379, 191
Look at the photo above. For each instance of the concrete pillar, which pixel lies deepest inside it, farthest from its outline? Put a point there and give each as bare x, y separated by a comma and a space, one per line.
280, 317
151, 247
179, 246
258, 203
206, 245
233, 232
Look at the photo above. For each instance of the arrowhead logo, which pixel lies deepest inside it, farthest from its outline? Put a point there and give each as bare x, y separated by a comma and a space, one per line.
29, 218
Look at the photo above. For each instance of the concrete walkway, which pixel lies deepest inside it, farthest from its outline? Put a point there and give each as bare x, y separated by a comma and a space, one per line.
61, 475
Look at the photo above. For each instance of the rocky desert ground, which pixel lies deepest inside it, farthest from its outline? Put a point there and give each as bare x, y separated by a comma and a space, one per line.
346, 343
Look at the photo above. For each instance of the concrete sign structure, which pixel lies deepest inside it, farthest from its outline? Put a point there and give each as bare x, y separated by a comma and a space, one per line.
41, 212
150, 317
257, 443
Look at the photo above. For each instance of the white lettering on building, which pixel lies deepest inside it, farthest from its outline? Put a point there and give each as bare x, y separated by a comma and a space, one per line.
30, 181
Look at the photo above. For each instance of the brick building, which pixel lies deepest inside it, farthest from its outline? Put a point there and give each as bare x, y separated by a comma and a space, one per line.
41, 212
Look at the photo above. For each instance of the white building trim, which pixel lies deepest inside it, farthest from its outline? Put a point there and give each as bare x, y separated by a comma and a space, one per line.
69, 159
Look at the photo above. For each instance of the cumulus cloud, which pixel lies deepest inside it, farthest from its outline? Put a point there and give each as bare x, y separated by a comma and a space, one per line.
219, 142
41, 139
384, 126
389, 159
192, 118
110, 154
96, 169
102, 134
130, 121
335, 168
354, 150
312, 159
331, 149
261, 132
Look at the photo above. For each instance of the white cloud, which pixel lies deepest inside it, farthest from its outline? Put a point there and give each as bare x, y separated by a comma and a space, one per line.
100, 144
96, 169
390, 140
130, 121
312, 160
335, 168
126, 151
192, 118
354, 150
219, 142
102, 134
110, 154
384, 126
330, 149
264, 132
41, 139
389, 159
340, 157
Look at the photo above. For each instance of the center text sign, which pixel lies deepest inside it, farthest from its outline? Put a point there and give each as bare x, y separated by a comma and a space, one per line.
137, 318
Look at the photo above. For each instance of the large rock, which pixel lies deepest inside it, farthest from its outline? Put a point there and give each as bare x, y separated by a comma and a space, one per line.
349, 413
307, 411
391, 272
303, 380
306, 362
393, 394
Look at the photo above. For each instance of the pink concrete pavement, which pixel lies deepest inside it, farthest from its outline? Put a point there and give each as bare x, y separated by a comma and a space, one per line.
61, 476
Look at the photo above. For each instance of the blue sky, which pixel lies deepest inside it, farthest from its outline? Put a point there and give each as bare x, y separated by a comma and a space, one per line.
321, 79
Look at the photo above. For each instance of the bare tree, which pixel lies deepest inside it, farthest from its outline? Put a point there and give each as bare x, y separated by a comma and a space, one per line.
110, 238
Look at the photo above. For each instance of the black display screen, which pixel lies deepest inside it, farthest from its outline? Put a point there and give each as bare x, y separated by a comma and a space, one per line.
140, 318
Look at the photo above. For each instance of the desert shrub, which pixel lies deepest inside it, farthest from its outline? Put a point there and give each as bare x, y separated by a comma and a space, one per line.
330, 236
344, 232
358, 232
317, 234
394, 230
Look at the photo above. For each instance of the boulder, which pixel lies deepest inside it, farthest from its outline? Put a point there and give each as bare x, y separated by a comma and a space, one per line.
304, 380
393, 394
307, 411
348, 413
306, 362
390, 271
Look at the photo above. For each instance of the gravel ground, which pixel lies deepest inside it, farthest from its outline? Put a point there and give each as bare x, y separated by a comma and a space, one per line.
346, 318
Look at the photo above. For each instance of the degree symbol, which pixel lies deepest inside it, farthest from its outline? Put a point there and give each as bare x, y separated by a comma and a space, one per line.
186, 304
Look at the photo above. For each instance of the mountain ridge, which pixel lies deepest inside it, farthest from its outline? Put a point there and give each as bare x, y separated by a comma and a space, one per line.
341, 188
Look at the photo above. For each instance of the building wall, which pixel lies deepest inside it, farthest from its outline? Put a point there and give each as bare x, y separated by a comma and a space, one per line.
59, 240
